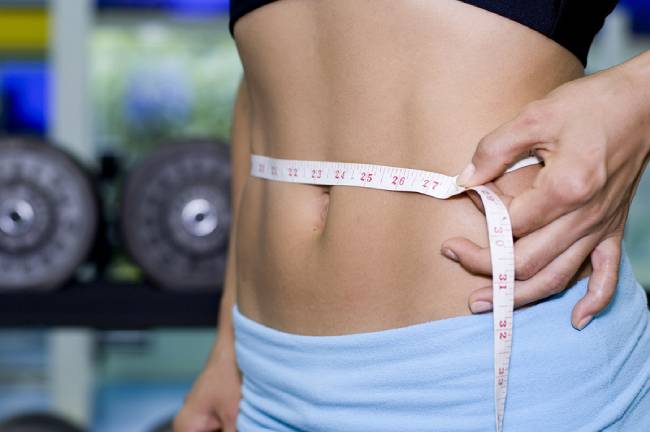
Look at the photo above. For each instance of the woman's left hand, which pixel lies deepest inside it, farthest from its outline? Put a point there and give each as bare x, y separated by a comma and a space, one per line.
593, 135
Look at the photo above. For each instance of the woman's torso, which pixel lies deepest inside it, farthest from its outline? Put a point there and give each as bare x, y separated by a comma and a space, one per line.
411, 84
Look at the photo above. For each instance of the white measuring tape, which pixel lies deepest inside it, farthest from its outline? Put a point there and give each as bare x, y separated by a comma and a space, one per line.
438, 186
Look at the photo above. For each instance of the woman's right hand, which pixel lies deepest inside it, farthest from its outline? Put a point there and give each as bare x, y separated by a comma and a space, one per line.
213, 403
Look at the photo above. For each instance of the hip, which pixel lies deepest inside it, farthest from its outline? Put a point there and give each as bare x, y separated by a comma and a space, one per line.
436, 375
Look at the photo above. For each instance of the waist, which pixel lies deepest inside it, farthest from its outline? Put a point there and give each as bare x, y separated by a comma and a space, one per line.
368, 258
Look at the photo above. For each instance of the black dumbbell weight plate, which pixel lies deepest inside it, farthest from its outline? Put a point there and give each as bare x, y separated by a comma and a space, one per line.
48, 215
176, 215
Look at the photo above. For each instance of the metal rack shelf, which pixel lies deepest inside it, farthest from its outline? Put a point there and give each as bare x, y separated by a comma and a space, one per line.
110, 305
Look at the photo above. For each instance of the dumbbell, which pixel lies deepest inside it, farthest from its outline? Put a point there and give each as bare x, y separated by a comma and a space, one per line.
48, 215
175, 214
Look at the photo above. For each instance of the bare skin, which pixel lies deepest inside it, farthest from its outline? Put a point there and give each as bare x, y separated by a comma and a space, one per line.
331, 81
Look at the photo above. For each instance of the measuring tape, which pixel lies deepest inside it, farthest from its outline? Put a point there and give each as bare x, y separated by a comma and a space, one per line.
438, 186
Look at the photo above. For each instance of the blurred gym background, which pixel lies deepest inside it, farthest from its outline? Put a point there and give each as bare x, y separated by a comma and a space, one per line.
114, 192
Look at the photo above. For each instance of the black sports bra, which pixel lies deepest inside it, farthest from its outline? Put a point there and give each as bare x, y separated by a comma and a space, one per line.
571, 23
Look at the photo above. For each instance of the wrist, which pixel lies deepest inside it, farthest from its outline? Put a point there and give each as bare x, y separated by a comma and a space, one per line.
223, 350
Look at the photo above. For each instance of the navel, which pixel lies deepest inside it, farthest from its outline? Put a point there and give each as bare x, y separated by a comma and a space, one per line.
324, 201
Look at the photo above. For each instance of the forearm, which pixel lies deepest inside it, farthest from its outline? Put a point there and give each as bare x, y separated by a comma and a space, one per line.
240, 166
636, 73
225, 341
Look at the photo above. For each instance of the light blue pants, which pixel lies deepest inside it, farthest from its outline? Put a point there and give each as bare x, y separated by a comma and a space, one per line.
437, 375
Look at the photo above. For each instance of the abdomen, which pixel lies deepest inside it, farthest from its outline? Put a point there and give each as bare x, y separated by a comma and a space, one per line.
411, 84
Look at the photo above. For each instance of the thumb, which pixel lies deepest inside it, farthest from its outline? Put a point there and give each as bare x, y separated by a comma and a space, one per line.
504, 146
505, 198
602, 283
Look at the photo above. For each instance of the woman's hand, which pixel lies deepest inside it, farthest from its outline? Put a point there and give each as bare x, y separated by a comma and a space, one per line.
593, 135
213, 403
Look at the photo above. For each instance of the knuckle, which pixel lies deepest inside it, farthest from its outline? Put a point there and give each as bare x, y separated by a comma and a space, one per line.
522, 227
518, 230
557, 282
577, 188
531, 114
602, 297
474, 264
488, 148
525, 268
599, 176
536, 115
598, 299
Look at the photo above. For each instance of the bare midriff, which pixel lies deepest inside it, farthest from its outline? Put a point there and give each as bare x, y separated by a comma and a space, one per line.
405, 83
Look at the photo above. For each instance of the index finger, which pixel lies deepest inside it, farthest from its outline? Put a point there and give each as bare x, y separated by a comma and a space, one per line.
557, 190
497, 150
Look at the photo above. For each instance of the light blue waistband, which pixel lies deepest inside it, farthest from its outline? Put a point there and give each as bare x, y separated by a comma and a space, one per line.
437, 375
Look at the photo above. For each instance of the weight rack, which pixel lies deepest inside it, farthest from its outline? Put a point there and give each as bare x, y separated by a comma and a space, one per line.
109, 305
114, 306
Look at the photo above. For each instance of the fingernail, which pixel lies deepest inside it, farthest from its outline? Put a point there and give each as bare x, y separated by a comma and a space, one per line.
582, 324
465, 175
480, 306
449, 254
